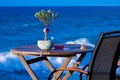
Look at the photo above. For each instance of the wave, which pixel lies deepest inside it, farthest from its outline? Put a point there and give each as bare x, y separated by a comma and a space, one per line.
84, 41
4, 56
7, 59
11, 63
58, 61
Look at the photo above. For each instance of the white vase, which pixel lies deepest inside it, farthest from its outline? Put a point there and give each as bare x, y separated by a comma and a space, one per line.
45, 44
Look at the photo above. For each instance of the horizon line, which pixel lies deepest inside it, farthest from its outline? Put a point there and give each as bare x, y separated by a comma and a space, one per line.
67, 6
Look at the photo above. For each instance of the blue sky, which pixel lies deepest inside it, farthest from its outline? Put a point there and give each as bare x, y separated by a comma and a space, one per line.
59, 2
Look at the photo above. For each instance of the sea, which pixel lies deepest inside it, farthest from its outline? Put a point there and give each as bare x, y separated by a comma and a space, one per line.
74, 24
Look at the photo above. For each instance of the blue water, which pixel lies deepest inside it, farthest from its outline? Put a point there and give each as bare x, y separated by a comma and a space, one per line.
18, 26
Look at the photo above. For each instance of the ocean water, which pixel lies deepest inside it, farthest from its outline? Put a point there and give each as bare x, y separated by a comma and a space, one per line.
18, 26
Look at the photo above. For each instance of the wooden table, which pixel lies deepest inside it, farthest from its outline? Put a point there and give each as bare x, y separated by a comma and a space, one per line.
69, 51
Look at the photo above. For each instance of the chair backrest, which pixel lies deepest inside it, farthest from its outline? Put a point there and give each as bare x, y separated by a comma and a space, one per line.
104, 60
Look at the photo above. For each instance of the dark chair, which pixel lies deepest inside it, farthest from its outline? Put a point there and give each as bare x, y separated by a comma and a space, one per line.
103, 63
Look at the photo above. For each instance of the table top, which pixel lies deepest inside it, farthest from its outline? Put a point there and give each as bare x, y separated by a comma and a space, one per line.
68, 50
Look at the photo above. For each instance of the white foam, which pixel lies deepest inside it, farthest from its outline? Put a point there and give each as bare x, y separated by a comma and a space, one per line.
6, 55
59, 60
6, 58
78, 41
81, 41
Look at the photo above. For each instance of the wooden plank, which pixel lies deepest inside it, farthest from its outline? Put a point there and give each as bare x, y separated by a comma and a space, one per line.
119, 62
65, 64
77, 63
29, 70
33, 50
35, 60
50, 66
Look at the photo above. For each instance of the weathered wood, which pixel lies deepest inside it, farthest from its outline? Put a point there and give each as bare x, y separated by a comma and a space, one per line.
65, 64
119, 62
35, 60
73, 69
50, 66
27, 67
33, 50
69, 51
77, 63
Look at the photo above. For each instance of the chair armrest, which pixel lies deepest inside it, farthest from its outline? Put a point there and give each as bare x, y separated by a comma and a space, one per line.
83, 69
73, 69
85, 66
68, 69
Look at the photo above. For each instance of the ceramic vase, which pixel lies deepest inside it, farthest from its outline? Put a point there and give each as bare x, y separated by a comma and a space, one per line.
45, 44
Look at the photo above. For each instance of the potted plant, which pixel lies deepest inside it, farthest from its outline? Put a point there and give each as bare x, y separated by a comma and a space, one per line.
46, 17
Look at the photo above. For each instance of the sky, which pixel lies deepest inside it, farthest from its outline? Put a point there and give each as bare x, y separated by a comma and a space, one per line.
59, 2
